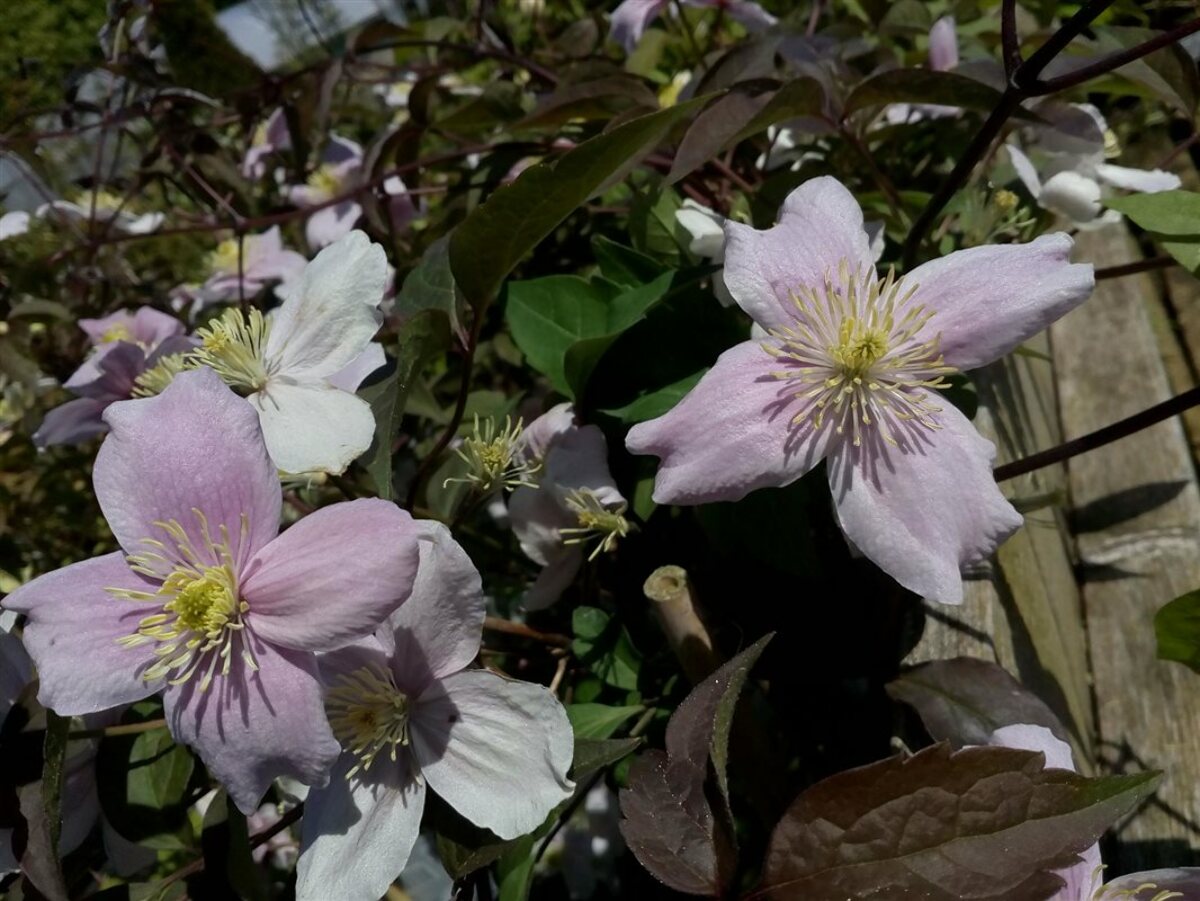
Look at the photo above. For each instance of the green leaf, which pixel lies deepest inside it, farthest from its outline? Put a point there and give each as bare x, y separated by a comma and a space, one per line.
40, 804
592, 754
564, 324
655, 403
430, 286
602, 644
1023, 821
423, 337
599, 720
600, 98
800, 97
494, 237
925, 86
1175, 213
653, 228
624, 265
500, 102
1177, 627
143, 781
727, 690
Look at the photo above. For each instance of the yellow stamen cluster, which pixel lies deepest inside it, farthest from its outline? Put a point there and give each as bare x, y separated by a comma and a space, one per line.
202, 612
325, 180
106, 202
368, 715
595, 522
224, 259
118, 332
494, 459
1006, 201
863, 354
234, 346
155, 379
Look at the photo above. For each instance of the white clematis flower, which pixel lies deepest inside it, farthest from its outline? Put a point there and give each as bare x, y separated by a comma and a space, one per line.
412, 717
1065, 168
286, 367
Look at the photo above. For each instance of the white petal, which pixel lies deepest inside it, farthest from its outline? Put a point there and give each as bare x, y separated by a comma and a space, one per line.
354, 373
313, 427
357, 834
329, 313
13, 224
1148, 181
1073, 195
497, 751
1025, 170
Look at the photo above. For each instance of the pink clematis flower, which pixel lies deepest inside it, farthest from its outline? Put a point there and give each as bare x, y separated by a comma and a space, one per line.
575, 501
206, 602
268, 139
340, 170
629, 20
411, 716
127, 345
263, 259
848, 370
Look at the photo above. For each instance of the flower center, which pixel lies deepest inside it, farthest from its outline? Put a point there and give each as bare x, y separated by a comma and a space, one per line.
493, 459
155, 379
118, 332
106, 202
863, 355
595, 521
224, 259
202, 612
234, 345
368, 715
325, 180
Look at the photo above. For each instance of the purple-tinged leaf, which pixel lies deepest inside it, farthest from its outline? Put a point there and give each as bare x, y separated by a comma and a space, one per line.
718, 125
964, 700
41, 806
981, 823
667, 819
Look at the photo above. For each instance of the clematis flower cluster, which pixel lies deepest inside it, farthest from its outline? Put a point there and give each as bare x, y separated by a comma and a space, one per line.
335, 653
849, 372
134, 354
630, 19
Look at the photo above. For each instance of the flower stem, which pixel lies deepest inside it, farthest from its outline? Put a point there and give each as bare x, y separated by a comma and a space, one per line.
495, 624
1107, 435
1159, 262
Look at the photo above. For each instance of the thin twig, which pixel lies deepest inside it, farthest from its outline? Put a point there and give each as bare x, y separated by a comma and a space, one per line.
495, 624
1107, 435
1147, 265
1010, 40
124, 729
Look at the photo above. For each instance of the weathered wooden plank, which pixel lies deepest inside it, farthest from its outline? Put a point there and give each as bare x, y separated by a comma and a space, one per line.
1136, 517
1023, 609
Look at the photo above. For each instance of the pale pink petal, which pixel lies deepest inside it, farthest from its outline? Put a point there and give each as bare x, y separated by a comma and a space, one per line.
579, 461
731, 434
1148, 181
330, 223
340, 151
358, 833
498, 751
630, 19
1080, 880
332, 577
72, 422
989, 299
925, 509
250, 728
537, 437
196, 446
820, 228
72, 631
562, 566
943, 45
536, 515
437, 631
109, 373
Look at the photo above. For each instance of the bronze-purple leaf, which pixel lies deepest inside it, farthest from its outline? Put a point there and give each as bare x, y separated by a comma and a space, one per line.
667, 819
980, 823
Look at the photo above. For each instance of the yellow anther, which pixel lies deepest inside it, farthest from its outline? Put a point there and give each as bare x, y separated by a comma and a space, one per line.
325, 180
234, 347
368, 715
494, 458
596, 521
